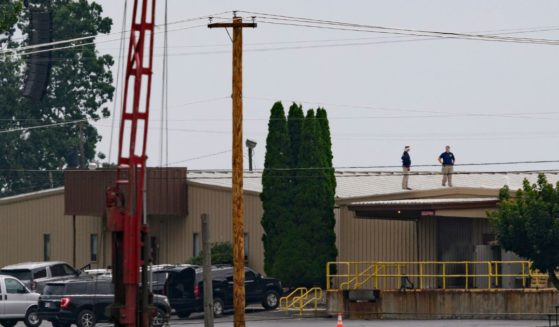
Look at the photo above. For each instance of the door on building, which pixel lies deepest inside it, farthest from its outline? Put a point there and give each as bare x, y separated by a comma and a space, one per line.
454, 244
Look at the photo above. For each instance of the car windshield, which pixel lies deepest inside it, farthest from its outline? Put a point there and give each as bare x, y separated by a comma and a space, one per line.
21, 274
54, 289
159, 277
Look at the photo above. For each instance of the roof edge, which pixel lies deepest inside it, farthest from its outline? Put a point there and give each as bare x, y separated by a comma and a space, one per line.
32, 195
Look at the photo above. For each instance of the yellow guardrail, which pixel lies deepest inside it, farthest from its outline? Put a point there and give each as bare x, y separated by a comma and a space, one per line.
300, 298
429, 274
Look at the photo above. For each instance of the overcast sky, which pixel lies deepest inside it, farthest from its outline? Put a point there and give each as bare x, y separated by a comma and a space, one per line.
379, 96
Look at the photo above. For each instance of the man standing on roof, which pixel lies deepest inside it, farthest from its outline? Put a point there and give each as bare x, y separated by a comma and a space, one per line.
406, 165
447, 160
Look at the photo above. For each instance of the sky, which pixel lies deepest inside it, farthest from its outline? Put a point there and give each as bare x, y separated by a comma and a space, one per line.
490, 101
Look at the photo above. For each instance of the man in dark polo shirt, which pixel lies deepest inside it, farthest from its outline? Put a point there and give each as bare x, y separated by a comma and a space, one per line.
447, 160
406, 166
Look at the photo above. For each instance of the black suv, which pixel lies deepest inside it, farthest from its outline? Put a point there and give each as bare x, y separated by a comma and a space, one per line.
83, 302
184, 287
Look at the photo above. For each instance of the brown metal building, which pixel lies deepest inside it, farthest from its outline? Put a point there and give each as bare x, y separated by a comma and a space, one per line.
376, 220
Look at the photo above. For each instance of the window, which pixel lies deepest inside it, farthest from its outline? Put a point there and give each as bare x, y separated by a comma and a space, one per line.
93, 247
46, 247
246, 246
196, 244
104, 288
41, 273
76, 288
249, 276
14, 287
68, 270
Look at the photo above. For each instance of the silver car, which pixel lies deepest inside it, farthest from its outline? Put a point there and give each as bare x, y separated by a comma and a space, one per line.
17, 303
36, 274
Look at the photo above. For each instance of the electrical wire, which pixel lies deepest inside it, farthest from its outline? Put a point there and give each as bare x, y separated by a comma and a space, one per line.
392, 30
119, 71
41, 126
35, 46
369, 169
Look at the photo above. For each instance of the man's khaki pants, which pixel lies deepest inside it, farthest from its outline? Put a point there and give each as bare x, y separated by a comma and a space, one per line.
447, 174
405, 177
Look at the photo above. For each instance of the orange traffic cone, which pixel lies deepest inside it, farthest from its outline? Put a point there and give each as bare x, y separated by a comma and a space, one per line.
340, 322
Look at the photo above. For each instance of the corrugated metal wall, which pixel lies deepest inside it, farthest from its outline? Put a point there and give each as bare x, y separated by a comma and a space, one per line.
175, 235
23, 224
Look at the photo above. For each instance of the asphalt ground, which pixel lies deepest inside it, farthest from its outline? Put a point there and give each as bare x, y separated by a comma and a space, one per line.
260, 318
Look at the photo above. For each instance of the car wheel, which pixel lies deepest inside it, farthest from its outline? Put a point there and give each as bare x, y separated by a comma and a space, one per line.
183, 315
32, 318
159, 318
271, 300
218, 307
8, 322
86, 318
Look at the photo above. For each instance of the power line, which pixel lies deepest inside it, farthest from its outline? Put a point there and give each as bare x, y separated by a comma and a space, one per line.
392, 30
89, 37
339, 169
41, 126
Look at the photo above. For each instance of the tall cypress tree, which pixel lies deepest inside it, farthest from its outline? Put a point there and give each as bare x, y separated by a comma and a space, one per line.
313, 200
295, 120
324, 126
275, 194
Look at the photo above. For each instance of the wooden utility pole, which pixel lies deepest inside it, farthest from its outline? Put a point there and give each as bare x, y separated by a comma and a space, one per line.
237, 187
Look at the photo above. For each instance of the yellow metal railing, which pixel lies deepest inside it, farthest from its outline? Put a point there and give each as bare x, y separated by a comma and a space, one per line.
429, 274
300, 298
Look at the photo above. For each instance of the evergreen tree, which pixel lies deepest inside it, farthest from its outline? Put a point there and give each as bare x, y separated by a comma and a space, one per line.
80, 85
313, 210
322, 118
275, 194
295, 120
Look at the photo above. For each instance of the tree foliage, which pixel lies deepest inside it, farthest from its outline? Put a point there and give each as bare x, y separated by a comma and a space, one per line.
528, 224
301, 201
222, 253
9, 13
295, 120
80, 86
275, 194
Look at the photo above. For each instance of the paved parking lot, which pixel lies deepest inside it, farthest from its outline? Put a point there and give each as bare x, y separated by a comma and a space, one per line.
261, 318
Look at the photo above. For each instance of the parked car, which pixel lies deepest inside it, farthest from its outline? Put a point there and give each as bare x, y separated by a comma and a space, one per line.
84, 301
36, 274
17, 303
184, 287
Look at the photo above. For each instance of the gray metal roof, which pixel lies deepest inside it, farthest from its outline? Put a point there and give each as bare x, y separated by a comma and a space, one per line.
351, 184
427, 200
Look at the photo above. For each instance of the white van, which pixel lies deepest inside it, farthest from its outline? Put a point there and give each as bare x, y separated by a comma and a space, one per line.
17, 303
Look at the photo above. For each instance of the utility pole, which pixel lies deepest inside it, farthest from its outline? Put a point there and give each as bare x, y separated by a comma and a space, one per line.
237, 182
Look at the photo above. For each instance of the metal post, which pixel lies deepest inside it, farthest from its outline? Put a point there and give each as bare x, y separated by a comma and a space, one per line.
207, 274
74, 240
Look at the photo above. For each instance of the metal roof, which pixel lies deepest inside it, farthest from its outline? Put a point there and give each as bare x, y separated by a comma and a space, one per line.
354, 184
427, 200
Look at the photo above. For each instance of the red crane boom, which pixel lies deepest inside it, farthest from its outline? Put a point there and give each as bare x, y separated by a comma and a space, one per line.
125, 200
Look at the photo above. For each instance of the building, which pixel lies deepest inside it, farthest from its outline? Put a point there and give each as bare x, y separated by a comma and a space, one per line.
376, 219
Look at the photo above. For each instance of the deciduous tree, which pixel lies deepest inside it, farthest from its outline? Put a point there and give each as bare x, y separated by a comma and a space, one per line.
528, 224
80, 86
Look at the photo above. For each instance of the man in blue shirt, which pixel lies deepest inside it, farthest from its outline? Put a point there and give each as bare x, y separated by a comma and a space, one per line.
447, 160
406, 165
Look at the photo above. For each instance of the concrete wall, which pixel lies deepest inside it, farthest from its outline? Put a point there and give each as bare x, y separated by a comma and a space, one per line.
435, 304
